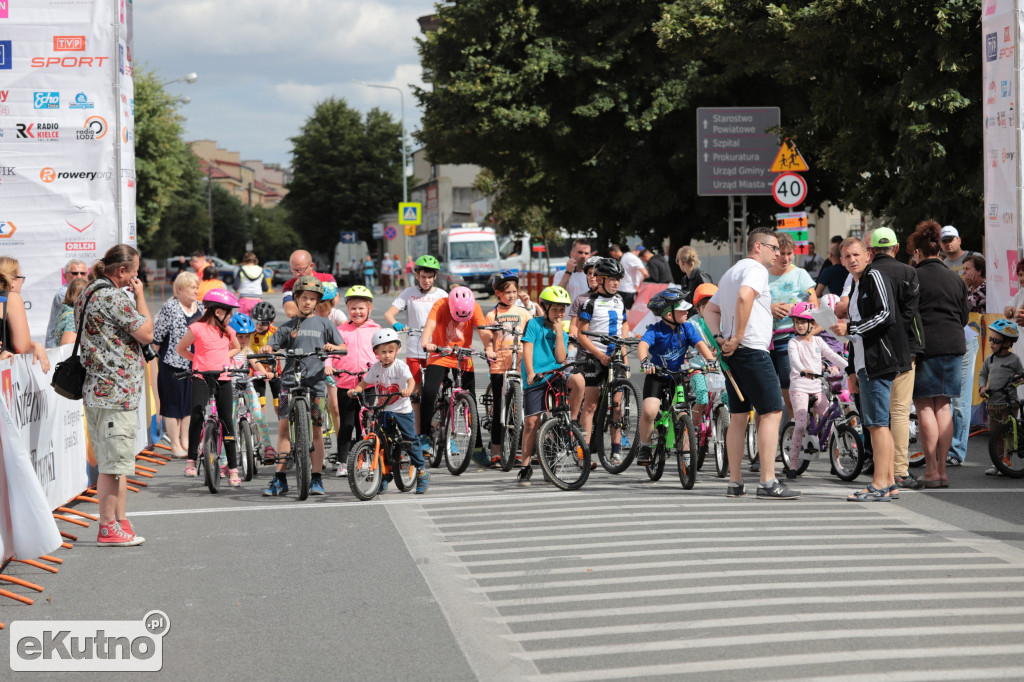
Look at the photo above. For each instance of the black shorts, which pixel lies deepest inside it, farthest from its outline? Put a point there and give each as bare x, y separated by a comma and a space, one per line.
594, 373
533, 400
654, 385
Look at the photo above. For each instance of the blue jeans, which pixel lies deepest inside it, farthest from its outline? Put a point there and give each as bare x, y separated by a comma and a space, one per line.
368, 279
407, 427
962, 405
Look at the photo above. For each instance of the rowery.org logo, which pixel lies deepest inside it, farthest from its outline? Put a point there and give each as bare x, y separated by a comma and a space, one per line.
89, 645
81, 102
991, 47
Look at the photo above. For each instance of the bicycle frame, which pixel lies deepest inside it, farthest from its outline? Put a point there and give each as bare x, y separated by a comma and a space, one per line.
671, 402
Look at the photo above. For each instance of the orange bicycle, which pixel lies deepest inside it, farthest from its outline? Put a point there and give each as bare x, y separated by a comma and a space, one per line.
382, 455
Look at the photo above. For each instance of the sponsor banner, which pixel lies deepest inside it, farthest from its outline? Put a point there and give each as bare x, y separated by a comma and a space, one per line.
1001, 128
61, 147
126, 69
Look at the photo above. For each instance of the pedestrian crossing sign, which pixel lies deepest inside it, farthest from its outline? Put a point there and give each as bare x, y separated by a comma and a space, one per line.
410, 213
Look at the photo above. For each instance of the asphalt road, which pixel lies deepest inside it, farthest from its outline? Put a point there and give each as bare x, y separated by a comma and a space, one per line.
482, 580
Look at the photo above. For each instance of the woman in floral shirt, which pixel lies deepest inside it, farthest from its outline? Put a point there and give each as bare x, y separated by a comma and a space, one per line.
171, 324
65, 324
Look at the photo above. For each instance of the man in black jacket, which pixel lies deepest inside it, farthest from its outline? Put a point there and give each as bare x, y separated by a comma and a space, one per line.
878, 353
884, 247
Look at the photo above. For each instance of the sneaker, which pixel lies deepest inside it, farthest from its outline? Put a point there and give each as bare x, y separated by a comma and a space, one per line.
316, 486
909, 482
126, 526
992, 471
112, 535
645, 455
422, 481
777, 492
342, 470
384, 485
791, 474
735, 490
952, 461
523, 479
755, 466
625, 442
278, 487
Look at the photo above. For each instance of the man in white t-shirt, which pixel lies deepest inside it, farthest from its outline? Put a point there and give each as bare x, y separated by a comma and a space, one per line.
739, 316
573, 279
636, 272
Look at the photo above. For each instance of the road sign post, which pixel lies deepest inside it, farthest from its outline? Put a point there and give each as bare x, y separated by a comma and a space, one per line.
410, 213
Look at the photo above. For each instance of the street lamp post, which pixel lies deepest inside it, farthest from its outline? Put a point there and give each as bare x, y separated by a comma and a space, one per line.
189, 78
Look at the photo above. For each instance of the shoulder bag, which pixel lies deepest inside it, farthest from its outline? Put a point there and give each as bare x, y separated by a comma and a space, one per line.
69, 375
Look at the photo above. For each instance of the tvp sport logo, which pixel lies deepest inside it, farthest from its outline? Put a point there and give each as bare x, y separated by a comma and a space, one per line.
6, 57
991, 47
69, 43
89, 645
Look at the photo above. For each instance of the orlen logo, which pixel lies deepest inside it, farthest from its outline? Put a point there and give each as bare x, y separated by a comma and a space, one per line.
69, 43
66, 62
79, 246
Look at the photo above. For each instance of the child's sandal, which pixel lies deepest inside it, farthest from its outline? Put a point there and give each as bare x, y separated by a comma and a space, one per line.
190, 468
233, 479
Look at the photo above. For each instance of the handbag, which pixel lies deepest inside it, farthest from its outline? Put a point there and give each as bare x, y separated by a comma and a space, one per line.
69, 375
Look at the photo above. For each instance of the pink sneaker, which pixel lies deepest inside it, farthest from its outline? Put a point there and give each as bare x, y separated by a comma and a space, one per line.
126, 526
269, 455
112, 535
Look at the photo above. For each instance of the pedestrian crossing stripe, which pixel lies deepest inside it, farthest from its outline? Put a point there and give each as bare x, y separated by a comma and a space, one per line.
410, 213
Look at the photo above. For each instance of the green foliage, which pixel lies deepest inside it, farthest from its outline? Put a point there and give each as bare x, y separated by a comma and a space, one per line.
185, 224
272, 236
347, 171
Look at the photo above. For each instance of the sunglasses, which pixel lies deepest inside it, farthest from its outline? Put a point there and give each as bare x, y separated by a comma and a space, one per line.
79, 274
947, 240
773, 247
998, 341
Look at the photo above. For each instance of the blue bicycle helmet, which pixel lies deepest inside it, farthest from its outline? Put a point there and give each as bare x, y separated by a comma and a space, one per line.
1006, 328
330, 291
504, 276
242, 324
665, 302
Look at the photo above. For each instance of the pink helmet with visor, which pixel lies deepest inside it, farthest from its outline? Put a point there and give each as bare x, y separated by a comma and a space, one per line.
802, 311
222, 298
461, 303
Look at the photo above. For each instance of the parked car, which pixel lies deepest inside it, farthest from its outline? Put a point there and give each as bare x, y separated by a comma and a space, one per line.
282, 270
227, 272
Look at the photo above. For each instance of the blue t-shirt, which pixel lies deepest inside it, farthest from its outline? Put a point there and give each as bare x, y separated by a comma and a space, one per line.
543, 339
668, 346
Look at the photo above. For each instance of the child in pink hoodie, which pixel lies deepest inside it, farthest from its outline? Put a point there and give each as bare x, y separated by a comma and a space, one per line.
358, 335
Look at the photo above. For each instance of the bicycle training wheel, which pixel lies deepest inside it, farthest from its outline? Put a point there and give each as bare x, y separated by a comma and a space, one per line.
402, 467
247, 453
512, 435
721, 431
211, 458
686, 450
364, 472
301, 446
438, 434
563, 453
846, 451
620, 410
786, 445
1004, 448
656, 467
463, 434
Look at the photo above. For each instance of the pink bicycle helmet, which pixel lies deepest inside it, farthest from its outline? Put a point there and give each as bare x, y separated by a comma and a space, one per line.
802, 311
220, 298
830, 300
461, 303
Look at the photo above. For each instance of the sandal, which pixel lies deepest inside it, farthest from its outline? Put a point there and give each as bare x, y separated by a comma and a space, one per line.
872, 494
894, 492
190, 468
943, 482
233, 479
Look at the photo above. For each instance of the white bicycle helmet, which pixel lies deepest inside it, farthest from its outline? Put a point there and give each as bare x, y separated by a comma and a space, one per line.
385, 335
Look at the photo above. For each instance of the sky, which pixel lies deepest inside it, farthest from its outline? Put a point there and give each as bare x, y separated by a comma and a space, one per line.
264, 64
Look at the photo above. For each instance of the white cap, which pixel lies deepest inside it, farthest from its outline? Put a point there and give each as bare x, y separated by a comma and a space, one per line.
949, 231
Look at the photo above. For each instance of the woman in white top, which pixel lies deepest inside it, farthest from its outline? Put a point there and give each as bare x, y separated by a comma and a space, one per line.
387, 266
250, 283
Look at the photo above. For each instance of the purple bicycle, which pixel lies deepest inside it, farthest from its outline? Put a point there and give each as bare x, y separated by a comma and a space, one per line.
844, 444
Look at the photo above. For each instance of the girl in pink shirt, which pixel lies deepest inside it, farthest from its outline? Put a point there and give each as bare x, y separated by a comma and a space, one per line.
213, 345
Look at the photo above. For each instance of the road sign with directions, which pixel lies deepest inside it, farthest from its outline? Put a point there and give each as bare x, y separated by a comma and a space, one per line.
734, 151
410, 213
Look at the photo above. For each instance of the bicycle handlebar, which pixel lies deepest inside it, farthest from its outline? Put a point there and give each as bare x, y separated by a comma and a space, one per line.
557, 370
293, 354
612, 340
365, 400
511, 331
459, 351
212, 374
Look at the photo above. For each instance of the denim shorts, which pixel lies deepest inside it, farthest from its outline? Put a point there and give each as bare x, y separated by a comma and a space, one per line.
780, 360
755, 375
938, 376
874, 399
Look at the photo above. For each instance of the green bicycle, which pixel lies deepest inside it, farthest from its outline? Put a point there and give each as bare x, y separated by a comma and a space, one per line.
673, 430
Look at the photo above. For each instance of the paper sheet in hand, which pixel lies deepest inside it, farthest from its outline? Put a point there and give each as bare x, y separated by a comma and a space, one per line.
825, 317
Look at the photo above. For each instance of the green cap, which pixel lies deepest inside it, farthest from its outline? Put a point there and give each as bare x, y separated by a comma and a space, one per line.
884, 238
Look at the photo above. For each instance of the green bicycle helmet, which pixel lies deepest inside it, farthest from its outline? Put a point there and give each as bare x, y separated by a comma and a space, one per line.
308, 283
1006, 328
427, 262
358, 291
555, 295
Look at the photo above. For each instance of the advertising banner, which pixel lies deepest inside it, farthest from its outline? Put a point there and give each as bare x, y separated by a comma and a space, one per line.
65, 125
1001, 128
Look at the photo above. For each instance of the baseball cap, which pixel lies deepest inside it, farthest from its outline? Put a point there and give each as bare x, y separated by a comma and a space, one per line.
948, 231
884, 237
640, 248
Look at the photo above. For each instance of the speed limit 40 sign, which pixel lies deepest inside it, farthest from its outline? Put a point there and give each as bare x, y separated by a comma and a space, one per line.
789, 189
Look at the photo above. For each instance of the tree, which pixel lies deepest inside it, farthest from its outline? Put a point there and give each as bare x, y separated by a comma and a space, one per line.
272, 234
347, 170
185, 223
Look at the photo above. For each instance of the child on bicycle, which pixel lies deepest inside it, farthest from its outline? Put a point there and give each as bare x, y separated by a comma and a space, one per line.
511, 314
451, 323
545, 347
806, 352
244, 328
604, 312
213, 344
997, 370
326, 308
698, 384
263, 315
305, 332
357, 334
390, 375
576, 384
664, 346
417, 301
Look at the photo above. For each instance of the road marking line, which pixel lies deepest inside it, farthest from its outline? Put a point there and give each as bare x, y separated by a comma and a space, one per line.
627, 523
974, 673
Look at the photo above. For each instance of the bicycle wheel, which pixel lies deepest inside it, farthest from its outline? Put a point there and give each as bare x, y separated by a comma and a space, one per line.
258, 452
656, 467
786, 445
721, 430
846, 450
438, 433
686, 450
364, 472
247, 453
512, 436
301, 445
1004, 448
705, 433
211, 456
750, 443
563, 453
463, 434
621, 410
402, 467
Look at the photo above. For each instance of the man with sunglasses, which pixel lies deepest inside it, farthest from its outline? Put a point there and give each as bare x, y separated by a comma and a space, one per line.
301, 264
74, 269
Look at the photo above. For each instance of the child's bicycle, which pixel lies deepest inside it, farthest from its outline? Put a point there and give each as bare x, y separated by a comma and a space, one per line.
382, 455
844, 444
510, 402
453, 424
247, 433
211, 438
673, 430
707, 442
561, 446
1005, 441
300, 415
618, 408
361, 424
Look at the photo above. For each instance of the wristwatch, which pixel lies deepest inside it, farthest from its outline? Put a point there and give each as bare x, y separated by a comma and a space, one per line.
718, 336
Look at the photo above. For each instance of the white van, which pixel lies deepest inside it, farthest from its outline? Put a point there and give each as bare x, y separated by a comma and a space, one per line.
469, 256
529, 254
344, 252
